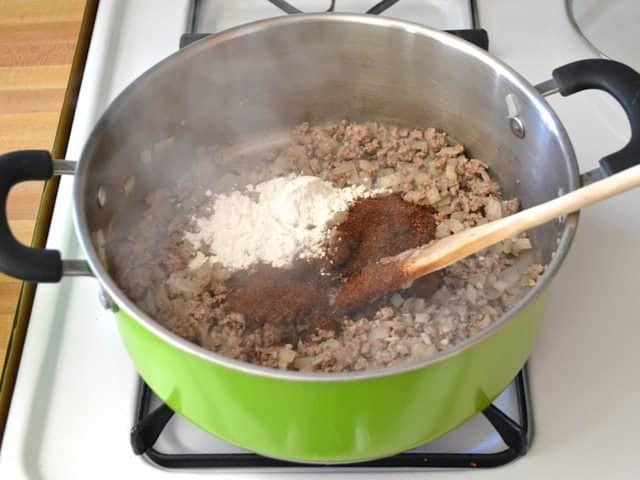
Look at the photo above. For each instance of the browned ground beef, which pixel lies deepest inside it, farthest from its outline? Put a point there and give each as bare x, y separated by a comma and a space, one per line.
422, 166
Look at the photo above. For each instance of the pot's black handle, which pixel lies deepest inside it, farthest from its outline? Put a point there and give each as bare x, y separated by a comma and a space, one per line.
620, 81
16, 259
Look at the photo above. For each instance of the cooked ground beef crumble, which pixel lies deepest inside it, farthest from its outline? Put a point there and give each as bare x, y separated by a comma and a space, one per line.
424, 167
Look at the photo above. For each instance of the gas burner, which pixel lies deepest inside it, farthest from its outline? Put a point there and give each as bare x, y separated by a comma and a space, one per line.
375, 10
213, 16
286, 7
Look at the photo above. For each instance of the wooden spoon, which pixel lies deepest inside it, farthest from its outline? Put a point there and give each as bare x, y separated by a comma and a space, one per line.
397, 272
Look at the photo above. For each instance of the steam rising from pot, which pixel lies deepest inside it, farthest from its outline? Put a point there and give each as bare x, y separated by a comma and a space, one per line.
216, 107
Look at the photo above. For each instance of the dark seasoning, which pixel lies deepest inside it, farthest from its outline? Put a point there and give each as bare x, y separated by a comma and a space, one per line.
517, 435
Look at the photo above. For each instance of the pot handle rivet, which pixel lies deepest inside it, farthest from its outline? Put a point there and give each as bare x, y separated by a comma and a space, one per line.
101, 196
513, 114
106, 301
517, 127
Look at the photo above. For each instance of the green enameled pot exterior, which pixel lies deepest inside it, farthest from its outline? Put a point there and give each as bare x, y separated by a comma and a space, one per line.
330, 422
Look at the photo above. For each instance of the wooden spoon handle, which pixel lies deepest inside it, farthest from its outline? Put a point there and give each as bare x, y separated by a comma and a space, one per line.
440, 254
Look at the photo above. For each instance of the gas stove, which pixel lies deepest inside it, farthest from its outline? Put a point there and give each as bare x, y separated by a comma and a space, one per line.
79, 409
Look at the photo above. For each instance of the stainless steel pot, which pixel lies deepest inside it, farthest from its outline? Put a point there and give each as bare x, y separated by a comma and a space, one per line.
247, 87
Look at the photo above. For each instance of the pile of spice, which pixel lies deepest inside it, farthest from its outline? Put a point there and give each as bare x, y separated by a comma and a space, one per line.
271, 237
382, 227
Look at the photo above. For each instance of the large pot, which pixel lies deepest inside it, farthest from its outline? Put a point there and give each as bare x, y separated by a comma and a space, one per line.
249, 83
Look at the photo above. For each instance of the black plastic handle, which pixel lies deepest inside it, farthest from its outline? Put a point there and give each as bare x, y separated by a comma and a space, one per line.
620, 81
16, 259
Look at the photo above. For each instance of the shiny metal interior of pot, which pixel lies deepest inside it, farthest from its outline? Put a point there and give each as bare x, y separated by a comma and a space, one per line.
246, 89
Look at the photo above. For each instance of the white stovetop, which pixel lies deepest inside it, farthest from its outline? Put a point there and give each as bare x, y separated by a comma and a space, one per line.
584, 380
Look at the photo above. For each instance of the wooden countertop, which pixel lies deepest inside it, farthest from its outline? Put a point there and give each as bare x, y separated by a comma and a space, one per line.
37, 43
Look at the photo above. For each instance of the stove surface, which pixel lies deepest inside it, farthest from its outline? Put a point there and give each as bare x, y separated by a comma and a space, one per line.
74, 400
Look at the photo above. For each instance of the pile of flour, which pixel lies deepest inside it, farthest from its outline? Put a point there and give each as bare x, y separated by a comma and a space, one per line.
274, 222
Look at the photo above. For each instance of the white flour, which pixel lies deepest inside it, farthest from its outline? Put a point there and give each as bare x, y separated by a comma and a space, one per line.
274, 222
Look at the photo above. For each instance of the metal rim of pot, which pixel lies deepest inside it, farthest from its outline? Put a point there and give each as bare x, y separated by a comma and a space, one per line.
615, 78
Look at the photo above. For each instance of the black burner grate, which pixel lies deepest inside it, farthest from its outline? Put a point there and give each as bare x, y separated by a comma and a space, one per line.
475, 35
286, 7
378, 8
517, 436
